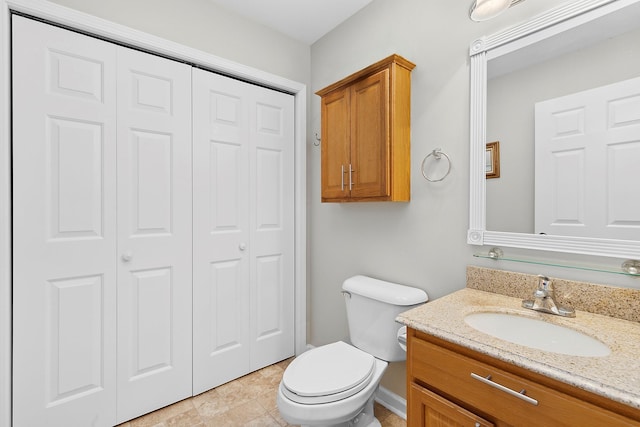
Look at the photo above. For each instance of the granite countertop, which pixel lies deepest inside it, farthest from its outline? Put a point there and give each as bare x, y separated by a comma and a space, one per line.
616, 376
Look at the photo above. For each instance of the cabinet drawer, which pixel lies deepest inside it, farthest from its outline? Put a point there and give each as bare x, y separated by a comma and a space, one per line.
484, 389
430, 410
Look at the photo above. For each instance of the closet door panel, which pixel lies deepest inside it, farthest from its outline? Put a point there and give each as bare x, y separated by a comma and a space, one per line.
64, 227
272, 224
154, 232
243, 228
221, 230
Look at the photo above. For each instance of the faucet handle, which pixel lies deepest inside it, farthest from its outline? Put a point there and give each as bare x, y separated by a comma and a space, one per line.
543, 281
544, 287
544, 300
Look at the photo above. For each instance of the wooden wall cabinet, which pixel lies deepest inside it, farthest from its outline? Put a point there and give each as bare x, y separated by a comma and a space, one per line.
442, 392
366, 127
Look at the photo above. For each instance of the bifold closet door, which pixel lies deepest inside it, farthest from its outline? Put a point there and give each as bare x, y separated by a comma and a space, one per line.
243, 228
154, 232
102, 229
64, 227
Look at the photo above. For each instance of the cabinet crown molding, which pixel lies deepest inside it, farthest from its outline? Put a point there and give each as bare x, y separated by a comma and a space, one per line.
373, 68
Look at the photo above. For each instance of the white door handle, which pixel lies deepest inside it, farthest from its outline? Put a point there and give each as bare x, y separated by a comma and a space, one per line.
242, 246
127, 256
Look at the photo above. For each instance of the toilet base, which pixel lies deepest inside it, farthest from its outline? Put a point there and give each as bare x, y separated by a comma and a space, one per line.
365, 418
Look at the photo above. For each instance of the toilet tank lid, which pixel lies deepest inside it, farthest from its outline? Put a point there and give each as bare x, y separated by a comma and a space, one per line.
391, 293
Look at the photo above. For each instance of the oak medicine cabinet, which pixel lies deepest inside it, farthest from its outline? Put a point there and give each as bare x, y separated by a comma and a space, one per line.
366, 131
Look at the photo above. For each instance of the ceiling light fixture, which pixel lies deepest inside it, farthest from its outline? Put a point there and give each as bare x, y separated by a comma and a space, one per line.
481, 10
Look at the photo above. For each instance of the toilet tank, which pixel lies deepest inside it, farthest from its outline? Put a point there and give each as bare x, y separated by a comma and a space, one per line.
372, 307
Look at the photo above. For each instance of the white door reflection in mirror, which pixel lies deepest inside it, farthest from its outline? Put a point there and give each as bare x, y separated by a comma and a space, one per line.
587, 151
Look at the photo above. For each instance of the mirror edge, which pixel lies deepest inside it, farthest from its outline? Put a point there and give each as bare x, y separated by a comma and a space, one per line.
477, 234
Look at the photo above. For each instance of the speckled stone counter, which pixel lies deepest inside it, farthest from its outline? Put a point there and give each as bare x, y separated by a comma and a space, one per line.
623, 303
616, 376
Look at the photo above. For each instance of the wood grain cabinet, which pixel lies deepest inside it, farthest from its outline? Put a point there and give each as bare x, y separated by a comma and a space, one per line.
452, 386
366, 130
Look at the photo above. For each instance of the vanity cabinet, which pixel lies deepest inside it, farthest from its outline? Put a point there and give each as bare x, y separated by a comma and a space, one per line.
366, 134
450, 385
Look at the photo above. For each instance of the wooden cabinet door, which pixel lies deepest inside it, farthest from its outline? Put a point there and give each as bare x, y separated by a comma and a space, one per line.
427, 409
335, 144
370, 141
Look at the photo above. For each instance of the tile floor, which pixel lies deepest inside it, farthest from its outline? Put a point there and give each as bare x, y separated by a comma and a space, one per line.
247, 401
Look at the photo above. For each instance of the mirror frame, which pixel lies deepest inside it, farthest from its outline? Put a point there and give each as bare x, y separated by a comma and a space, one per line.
552, 22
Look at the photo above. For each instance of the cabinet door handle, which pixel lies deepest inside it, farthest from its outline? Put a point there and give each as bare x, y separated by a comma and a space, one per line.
519, 395
351, 171
342, 178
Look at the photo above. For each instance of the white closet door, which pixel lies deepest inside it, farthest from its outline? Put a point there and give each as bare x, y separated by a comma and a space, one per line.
64, 224
154, 232
221, 291
243, 228
271, 207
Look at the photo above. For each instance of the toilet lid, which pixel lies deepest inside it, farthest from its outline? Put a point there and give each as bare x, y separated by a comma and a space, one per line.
328, 373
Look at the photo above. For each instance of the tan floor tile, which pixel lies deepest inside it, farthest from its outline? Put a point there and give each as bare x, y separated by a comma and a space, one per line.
157, 418
220, 420
283, 364
229, 388
255, 385
247, 412
269, 400
207, 396
145, 421
380, 411
250, 401
387, 418
272, 371
263, 421
186, 419
394, 421
281, 422
213, 407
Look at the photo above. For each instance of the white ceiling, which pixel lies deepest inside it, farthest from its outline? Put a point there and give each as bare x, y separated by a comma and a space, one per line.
303, 20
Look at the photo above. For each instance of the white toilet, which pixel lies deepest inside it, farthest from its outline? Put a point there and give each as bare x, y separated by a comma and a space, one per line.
335, 384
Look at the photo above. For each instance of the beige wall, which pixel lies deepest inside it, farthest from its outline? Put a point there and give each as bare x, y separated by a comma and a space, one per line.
203, 25
421, 243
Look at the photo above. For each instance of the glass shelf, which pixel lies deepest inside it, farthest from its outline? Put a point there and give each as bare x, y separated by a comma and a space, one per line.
628, 268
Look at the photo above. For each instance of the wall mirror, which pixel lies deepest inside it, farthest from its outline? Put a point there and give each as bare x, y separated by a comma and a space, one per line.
527, 83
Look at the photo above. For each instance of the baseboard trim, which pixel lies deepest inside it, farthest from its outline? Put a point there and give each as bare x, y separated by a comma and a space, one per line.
392, 402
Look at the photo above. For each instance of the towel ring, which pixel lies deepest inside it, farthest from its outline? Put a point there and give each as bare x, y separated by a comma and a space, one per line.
437, 154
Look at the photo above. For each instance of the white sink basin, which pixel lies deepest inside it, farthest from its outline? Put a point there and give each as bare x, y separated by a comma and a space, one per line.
537, 334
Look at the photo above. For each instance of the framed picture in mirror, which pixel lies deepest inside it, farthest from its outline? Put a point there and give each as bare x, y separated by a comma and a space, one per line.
492, 160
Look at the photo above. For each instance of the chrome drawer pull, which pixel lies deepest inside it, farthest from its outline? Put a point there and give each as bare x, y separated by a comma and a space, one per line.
519, 395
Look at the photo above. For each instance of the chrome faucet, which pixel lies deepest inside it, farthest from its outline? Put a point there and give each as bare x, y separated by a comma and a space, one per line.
544, 300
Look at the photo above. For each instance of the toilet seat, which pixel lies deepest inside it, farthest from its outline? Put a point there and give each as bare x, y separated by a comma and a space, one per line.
327, 374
